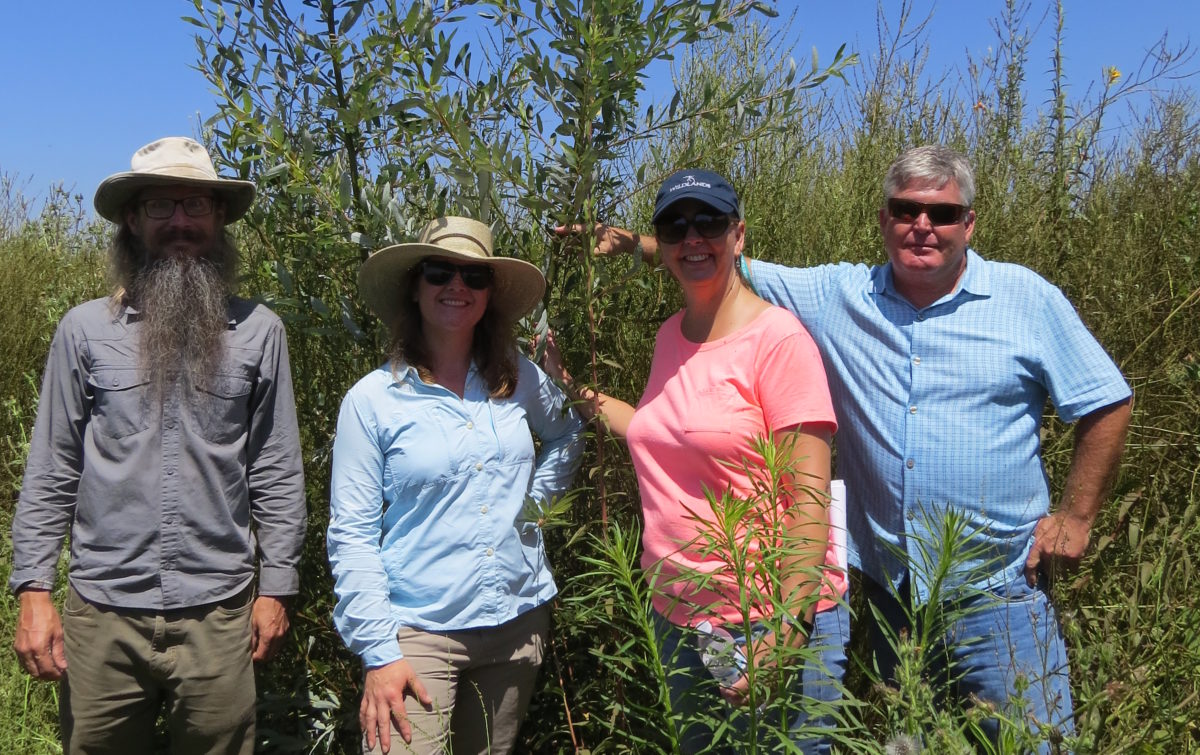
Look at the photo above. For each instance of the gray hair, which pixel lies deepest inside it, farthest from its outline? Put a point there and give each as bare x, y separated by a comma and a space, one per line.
933, 164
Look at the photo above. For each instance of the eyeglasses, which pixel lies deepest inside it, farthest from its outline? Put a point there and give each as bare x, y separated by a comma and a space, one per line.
907, 211
674, 230
439, 273
162, 208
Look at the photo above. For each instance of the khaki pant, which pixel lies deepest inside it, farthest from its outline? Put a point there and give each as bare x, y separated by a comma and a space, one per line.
124, 665
481, 681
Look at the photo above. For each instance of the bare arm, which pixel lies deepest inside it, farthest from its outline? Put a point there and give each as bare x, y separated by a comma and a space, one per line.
613, 412
611, 241
807, 523
1061, 538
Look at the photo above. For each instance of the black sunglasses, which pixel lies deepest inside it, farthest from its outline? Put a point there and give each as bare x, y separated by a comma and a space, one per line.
673, 230
439, 273
163, 208
941, 213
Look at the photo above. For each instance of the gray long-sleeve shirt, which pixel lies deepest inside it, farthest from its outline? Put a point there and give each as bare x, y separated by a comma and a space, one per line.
168, 503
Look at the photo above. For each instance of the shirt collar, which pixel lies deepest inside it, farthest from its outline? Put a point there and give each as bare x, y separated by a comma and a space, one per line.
404, 372
975, 281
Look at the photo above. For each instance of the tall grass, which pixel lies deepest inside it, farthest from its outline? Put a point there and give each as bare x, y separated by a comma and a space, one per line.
1111, 215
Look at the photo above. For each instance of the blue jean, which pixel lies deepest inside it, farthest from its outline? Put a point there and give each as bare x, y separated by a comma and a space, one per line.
698, 706
1003, 646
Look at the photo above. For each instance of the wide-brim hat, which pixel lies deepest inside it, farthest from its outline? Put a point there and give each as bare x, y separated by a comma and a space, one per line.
695, 183
517, 286
166, 162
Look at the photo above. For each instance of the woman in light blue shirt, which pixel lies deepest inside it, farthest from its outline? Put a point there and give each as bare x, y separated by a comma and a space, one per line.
440, 573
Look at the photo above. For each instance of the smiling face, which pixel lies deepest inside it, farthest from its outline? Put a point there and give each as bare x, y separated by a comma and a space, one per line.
180, 235
697, 261
927, 259
451, 308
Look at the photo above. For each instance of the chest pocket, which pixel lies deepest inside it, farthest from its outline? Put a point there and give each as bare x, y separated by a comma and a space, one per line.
120, 401
222, 407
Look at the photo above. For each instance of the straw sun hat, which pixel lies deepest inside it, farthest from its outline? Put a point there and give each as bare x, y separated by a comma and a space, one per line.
517, 285
167, 162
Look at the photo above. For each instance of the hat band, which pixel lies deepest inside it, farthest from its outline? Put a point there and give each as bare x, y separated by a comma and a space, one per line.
436, 241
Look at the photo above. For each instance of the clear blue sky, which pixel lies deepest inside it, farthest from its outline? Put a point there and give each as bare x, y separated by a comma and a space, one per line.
86, 82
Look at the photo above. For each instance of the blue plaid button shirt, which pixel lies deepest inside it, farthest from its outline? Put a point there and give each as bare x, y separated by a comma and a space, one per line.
940, 408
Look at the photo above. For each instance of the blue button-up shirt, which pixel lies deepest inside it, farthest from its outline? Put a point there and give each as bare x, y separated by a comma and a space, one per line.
940, 408
429, 522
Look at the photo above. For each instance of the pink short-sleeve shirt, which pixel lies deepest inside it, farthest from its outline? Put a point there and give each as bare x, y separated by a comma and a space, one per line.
703, 406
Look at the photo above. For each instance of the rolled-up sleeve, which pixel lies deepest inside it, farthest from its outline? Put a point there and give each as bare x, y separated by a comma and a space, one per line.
46, 504
275, 471
362, 614
558, 427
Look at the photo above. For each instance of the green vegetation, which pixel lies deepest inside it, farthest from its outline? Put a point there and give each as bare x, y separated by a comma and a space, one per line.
365, 119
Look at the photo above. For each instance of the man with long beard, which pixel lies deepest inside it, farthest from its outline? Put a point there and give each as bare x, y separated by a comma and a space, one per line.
166, 444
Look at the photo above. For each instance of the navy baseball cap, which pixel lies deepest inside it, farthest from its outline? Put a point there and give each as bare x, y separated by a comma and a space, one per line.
692, 183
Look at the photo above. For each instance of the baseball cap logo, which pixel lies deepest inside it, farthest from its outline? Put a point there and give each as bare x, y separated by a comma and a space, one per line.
689, 181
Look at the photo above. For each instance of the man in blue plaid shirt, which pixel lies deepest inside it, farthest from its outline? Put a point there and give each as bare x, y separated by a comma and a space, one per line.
940, 363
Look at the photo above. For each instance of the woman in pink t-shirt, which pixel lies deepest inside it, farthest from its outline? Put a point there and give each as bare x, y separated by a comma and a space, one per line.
728, 369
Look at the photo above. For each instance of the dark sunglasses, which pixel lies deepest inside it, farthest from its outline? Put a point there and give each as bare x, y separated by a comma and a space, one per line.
439, 273
939, 214
673, 230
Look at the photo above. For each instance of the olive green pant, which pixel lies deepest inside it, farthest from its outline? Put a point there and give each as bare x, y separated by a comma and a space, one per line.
481, 681
124, 666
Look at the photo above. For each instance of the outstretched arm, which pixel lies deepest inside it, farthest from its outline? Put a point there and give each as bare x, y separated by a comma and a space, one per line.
613, 412
611, 241
1061, 538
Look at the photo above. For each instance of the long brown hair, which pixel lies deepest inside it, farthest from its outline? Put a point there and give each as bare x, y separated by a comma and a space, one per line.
492, 348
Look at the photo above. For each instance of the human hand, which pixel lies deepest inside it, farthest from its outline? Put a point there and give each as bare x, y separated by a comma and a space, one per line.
552, 361
268, 624
384, 690
39, 637
610, 240
1059, 542
765, 659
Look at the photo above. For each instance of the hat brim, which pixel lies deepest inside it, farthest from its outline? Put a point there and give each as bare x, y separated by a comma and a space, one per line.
700, 196
115, 192
517, 286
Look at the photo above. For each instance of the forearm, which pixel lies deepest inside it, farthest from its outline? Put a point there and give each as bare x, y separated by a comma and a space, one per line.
275, 472
612, 412
649, 246
806, 518
560, 430
1099, 442
280, 517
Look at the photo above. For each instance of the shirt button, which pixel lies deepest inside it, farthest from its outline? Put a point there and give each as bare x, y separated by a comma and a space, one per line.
911, 516
115, 381
916, 360
170, 471
910, 463
920, 316
470, 425
490, 551
483, 509
912, 410
478, 466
